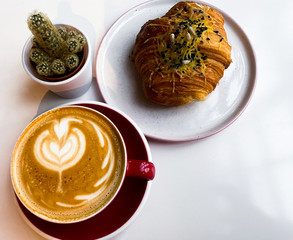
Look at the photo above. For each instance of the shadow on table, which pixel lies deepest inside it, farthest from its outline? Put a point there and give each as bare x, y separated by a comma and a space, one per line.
51, 100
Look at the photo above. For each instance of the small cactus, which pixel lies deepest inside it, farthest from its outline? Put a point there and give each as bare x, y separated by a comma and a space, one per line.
72, 45
46, 34
72, 34
44, 68
63, 32
82, 41
58, 66
36, 55
55, 48
71, 61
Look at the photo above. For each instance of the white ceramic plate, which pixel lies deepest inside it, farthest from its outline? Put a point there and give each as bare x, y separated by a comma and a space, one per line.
120, 84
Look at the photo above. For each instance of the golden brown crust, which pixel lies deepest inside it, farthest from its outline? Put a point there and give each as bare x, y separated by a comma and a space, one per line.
182, 56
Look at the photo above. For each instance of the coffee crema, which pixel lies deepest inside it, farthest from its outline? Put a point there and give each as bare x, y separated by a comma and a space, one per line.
68, 164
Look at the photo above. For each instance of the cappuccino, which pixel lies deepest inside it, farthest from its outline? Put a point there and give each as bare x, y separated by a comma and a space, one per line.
68, 164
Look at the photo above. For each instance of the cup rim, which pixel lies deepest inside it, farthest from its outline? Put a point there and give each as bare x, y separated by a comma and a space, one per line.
27, 67
71, 221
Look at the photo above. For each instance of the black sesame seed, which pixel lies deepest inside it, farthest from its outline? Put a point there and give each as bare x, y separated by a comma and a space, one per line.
208, 39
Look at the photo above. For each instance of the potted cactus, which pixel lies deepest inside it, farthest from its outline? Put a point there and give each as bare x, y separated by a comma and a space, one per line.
58, 51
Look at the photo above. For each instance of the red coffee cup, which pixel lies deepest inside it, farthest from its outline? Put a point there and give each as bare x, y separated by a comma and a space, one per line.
74, 124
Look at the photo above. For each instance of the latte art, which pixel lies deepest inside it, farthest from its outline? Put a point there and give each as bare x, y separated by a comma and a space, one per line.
62, 148
70, 163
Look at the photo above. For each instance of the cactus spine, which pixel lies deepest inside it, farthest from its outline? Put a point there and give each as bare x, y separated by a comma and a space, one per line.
55, 48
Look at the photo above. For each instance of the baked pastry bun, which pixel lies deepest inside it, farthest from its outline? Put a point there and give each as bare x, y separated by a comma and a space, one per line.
181, 56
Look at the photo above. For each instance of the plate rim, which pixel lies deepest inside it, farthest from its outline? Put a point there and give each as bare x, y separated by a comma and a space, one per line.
252, 79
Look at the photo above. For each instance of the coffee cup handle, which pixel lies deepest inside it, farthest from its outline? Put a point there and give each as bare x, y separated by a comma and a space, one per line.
140, 169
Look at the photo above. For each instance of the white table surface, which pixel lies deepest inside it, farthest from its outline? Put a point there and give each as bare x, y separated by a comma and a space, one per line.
234, 185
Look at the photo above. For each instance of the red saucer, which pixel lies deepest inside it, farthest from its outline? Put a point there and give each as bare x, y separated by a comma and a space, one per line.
114, 218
